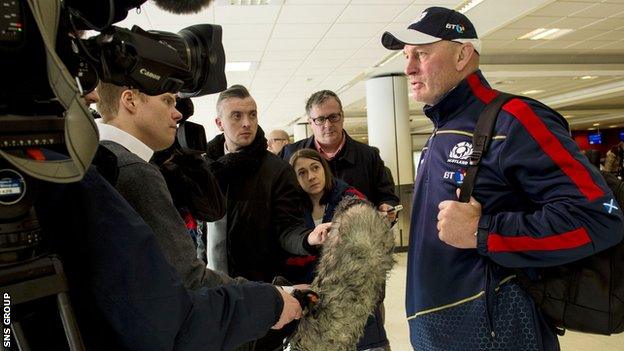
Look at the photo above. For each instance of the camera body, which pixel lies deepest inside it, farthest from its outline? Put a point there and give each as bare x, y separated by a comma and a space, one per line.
48, 67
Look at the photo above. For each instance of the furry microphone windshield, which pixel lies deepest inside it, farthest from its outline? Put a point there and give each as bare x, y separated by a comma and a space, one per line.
182, 6
355, 261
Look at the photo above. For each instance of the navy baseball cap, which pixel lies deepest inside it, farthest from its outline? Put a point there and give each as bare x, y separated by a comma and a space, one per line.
435, 24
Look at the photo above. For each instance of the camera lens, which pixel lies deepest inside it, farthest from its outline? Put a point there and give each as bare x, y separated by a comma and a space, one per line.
207, 60
200, 48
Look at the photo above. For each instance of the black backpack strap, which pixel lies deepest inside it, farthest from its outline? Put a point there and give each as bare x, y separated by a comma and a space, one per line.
481, 139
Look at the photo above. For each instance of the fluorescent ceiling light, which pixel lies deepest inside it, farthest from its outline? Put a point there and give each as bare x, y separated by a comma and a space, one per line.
469, 5
613, 126
596, 124
534, 91
587, 77
591, 128
237, 66
545, 33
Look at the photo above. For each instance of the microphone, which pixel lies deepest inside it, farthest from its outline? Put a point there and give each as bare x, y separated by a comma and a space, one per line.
182, 6
355, 261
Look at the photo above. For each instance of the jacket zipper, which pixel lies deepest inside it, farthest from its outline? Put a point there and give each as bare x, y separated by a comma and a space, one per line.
489, 300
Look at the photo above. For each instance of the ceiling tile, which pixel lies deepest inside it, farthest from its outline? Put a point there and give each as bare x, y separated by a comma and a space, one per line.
244, 45
331, 54
489, 44
271, 82
306, 70
300, 30
563, 8
310, 13
573, 22
246, 14
618, 45
377, 54
264, 71
582, 34
600, 44
300, 82
519, 44
363, 62
600, 11
243, 78
246, 31
283, 44
607, 24
328, 63
277, 65
371, 13
341, 43
532, 22
284, 55
507, 34
554, 44
336, 81
349, 30
253, 56
609, 36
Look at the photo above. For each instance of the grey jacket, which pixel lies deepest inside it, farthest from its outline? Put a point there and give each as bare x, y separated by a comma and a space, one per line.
144, 187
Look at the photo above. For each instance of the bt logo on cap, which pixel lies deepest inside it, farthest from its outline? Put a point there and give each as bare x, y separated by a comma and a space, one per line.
458, 28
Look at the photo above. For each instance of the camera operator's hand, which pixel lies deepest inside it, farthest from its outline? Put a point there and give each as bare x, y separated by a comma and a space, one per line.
290, 311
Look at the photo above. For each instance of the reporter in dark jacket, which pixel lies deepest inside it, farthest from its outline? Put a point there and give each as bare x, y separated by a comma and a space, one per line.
263, 217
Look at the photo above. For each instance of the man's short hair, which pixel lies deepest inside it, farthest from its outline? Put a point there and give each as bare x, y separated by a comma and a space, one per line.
320, 97
235, 91
108, 106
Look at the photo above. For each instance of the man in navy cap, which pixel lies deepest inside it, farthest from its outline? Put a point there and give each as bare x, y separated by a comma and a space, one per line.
537, 201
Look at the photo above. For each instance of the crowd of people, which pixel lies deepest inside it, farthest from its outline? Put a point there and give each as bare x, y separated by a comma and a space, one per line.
268, 206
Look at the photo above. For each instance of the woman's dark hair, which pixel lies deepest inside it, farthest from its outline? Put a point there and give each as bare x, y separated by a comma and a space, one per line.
329, 177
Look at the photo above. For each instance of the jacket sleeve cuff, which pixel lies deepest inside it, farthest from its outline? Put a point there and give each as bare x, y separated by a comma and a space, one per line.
482, 234
279, 306
312, 250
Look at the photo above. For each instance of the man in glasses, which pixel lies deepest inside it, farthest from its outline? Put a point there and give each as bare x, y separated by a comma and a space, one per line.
356, 163
277, 140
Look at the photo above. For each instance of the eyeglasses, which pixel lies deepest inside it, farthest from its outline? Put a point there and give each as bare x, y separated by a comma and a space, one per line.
333, 118
277, 139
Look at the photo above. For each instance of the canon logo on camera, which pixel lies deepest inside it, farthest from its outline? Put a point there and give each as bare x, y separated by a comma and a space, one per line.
147, 73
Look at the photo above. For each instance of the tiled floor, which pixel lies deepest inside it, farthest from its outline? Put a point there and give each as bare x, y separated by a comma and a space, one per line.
396, 325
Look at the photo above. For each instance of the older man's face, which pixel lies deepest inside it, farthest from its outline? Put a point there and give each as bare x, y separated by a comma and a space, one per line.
431, 70
327, 133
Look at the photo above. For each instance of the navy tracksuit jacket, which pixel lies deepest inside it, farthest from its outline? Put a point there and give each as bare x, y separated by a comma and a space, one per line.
543, 205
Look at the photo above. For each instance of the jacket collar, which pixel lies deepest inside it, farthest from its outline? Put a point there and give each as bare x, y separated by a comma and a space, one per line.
346, 154
455, 101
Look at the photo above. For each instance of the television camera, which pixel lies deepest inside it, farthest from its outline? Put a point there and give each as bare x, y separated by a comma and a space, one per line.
48, 67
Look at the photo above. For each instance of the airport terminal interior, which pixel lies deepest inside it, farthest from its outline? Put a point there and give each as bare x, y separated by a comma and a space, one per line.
568, 54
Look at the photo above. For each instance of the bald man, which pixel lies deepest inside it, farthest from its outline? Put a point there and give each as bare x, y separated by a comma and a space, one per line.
277, 140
